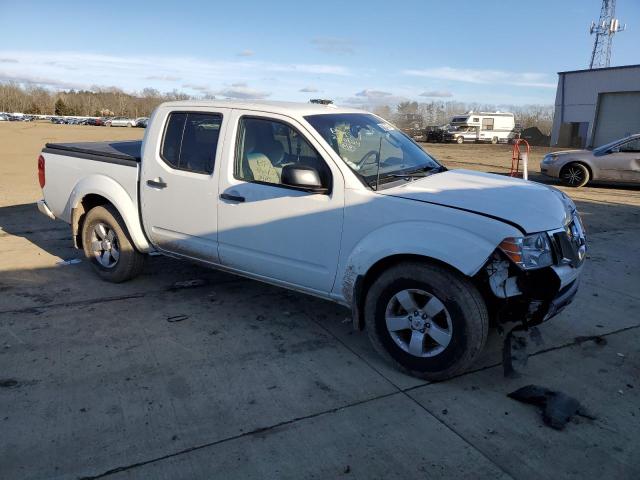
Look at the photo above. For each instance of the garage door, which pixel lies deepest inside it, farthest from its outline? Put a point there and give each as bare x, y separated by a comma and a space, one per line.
618, 116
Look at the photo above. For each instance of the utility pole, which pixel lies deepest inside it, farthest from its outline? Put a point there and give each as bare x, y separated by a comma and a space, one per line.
604, 30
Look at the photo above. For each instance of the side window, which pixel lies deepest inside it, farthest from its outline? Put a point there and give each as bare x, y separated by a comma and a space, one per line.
632, 146
487, 123
191, 140
264, 147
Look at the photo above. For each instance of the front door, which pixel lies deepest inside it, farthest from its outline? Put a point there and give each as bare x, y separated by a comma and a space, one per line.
269, 229
178, 184
623, 163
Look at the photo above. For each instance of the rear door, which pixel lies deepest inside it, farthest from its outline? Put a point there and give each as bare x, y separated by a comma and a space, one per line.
178, 184
269, 229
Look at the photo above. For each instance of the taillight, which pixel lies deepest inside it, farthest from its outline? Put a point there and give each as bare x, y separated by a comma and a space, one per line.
41, 177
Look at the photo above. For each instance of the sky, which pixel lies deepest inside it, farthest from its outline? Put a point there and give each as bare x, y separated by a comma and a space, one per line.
360, 52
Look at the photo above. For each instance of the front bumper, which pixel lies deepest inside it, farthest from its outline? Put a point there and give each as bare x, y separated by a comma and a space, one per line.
565, 297
44, 209
550, 169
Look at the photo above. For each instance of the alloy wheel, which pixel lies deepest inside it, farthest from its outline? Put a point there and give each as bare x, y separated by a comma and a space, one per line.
573, 175
105, 245
418, 323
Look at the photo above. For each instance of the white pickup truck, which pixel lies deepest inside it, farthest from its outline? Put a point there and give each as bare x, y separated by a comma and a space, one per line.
333, 202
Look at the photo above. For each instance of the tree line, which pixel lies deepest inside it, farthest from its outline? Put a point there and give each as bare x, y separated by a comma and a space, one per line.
111, 101
87, 103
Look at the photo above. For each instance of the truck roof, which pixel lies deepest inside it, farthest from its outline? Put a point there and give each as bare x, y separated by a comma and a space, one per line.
285, 108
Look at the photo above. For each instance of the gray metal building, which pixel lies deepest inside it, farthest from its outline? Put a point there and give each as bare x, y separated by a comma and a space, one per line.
594, 107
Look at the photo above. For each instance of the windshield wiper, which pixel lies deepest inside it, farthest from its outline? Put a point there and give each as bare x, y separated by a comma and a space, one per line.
419, 172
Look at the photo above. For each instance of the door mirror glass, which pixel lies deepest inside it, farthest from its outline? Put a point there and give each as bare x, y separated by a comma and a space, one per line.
303, 177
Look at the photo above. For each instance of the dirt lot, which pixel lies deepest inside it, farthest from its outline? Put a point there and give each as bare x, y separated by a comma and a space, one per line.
258, 382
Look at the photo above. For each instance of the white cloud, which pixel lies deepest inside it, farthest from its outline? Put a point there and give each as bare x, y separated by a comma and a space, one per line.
369, 97
373, 94
309, 90
246, 53
340, 46
166, 78
437, 94
133, 73
498, 77
242, 93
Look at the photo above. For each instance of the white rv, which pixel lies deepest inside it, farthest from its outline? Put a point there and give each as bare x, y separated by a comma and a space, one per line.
493, 127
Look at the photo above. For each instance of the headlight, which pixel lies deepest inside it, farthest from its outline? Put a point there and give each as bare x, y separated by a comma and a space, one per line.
549, 159
530, 252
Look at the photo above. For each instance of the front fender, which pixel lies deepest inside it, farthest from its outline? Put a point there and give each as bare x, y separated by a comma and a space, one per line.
462, 249
114, 192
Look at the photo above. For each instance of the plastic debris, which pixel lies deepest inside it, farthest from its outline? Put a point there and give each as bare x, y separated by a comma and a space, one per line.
187, 284
177, 318
71, 261
557, 408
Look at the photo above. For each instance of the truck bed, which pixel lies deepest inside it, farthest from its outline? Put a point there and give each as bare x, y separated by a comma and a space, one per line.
120, 152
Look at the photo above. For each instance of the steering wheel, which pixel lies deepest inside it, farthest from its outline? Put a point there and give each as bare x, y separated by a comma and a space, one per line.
363, 160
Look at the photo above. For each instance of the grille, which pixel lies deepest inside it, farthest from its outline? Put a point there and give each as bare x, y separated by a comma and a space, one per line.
570, 244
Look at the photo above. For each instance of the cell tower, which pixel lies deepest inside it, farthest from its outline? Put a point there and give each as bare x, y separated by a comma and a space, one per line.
604, 30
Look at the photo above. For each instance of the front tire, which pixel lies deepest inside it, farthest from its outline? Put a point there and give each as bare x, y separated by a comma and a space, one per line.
460, 140
574, 175
108, 246
427, 320
494, 141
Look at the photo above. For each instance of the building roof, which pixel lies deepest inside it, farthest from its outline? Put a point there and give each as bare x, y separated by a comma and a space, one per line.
285, 108
600, 69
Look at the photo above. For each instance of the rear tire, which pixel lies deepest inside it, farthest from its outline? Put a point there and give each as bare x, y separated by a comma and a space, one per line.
450, 328
460, 140
108, 246
574, 175
494, 141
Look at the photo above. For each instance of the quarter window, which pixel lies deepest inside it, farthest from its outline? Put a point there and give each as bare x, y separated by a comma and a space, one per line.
191, 140
264, 147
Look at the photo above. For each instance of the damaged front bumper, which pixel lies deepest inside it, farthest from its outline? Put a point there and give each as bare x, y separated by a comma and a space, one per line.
530, 297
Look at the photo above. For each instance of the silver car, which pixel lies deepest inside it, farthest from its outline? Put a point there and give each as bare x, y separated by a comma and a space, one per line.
618, 161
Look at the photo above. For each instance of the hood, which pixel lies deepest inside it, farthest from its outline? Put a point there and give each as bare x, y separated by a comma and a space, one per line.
532, 206
571, 152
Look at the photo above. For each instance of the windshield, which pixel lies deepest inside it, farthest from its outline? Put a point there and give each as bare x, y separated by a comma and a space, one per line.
374, 149
604, 148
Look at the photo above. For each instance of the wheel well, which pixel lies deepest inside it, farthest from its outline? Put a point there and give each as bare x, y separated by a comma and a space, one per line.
577, 162
79, 213
364, 282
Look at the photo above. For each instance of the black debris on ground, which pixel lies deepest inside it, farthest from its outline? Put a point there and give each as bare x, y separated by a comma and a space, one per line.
8, 383
187, 284
557, 408
177, 318
514, 352
597, 339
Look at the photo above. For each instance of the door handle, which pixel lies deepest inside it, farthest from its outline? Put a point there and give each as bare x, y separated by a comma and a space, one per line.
232, 198
156, 183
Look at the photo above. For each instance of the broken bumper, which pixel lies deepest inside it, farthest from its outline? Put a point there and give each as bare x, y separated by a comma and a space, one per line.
564, 298
44, 209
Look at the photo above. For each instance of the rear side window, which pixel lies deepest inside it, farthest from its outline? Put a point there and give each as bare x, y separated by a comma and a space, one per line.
191, 140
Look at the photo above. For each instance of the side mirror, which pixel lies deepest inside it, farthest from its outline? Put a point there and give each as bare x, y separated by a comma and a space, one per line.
303, 177
614, 150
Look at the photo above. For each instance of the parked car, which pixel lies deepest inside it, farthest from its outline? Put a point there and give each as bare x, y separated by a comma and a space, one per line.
461, 134
141, 122
3, 117
618, 161
121, 122
435, 133
331, 201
